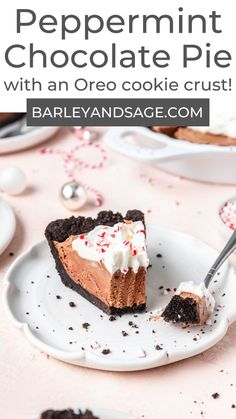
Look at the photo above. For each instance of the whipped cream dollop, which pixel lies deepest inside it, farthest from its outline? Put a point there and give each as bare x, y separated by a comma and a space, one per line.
119, 247
221, 124
200, 290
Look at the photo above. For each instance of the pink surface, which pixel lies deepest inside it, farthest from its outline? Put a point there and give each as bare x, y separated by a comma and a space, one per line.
31, 381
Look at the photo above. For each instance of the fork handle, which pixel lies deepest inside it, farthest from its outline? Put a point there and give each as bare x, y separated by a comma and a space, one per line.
226, 252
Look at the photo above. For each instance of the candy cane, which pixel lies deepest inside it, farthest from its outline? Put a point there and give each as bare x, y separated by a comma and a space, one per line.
71, 163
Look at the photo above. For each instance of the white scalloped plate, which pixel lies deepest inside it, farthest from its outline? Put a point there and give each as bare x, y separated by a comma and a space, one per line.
7, 225
32, 284
102, 414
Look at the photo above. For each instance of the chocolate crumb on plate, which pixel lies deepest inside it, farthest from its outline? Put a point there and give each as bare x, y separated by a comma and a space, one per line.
132, 324
215, 395
85, 325
233, 406
72, 304
112, 318
124, 333
159, 255
106, 351
58, 297
158, 348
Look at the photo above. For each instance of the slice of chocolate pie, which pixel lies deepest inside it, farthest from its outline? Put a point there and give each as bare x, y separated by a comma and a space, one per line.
103, 259
67, 414
191, 305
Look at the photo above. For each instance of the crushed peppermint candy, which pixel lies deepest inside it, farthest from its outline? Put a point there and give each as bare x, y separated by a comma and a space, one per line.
119, 247
95, 345
228, 214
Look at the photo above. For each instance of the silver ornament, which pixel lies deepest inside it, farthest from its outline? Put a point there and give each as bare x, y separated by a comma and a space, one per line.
73, 195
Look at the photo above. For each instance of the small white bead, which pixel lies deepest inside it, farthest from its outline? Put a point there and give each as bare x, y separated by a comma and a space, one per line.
12, 181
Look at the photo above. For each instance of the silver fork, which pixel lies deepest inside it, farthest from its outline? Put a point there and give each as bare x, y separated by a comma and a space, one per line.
229, 248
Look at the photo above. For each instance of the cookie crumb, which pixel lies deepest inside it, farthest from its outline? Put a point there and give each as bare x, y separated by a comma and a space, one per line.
158, 348
112, 318
106, 351
85, 325
215, 395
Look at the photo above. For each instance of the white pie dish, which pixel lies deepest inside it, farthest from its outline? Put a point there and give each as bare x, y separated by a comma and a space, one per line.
26, 140
29, 290
7, 225
201, 162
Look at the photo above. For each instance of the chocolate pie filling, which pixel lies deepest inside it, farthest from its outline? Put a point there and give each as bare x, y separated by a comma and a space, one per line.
115, 293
